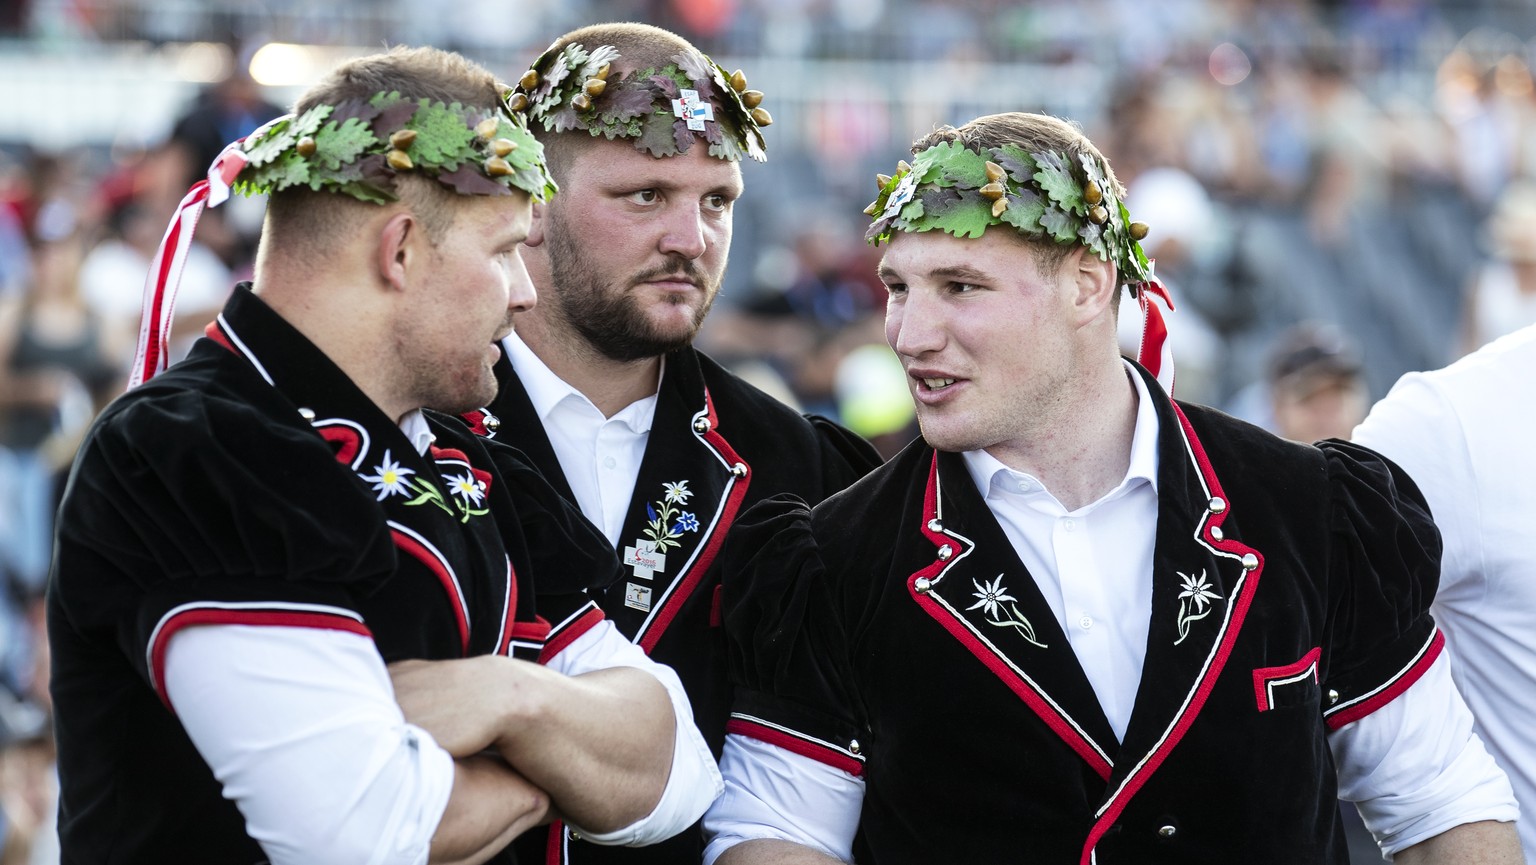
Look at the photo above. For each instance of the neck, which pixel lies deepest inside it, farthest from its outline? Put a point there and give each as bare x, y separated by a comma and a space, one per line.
610, 384
345, 323
1084, 450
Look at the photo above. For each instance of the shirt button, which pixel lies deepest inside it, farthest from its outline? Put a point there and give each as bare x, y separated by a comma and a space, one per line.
1024, 486
609, 462
1069, 524
1086, 622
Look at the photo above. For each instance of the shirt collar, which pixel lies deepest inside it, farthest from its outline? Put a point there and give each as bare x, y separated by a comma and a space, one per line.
547, 391
415, 427
987, 470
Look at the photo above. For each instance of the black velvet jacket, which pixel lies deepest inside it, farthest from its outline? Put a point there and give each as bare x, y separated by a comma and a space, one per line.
254, 484
1290, 589
717, 446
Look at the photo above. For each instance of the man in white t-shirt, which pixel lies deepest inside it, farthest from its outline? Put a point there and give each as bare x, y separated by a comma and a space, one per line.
1461, 433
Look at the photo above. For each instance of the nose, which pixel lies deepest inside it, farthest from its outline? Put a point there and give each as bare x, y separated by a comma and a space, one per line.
914, 324
684, 231
521, 295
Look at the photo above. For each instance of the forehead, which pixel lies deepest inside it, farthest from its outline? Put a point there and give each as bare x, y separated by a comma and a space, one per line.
618, 163
914, 255
511, 214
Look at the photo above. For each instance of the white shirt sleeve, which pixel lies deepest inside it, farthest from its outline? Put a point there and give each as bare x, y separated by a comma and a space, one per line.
1415, 769
694, 780
774, 793
301, 727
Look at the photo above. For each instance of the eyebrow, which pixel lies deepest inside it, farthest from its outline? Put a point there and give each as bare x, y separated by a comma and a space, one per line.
958, 272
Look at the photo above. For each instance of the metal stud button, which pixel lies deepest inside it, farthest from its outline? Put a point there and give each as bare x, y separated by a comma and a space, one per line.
1250, 562
1217, 505
701, 425
1333, 696
853, 746
1216, 533
945, 552
922, 585
575, 836
492, 423
739, 470
307, 414
1168, 831
935, 526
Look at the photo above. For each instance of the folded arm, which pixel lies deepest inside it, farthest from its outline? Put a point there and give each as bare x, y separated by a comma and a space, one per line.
607, 732
300, 727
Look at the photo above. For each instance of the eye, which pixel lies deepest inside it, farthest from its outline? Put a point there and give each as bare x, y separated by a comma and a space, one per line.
644, 196
896, 288
717, 203
963, 288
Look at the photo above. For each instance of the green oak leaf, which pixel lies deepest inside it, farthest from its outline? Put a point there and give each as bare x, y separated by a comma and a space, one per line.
442, 139
968, 218
336, 146
1057, 182
1024, 212
310, 121
657, 137
1059, 225
278, 138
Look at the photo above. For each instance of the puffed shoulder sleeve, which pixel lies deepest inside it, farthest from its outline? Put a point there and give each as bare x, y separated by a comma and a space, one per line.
208, 512
1384, 566
787, 637
845, 456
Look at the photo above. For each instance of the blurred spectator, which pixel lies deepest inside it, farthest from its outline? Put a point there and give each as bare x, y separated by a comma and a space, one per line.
1316, 384
112, 280
1502, 295
1350, 155
55, 371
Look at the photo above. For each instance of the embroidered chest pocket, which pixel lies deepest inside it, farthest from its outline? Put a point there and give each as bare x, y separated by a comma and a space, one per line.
1288, 685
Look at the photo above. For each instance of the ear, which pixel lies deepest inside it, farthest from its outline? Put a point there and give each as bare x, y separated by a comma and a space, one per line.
397, 249
536, 226
1095, 285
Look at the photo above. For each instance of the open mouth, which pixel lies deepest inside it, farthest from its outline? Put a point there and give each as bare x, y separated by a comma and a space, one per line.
936, 383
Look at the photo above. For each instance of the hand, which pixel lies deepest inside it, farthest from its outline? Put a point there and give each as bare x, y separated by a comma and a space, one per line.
459, 702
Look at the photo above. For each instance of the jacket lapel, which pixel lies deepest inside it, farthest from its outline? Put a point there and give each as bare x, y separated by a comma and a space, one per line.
689, 489
1204, 580
974, 585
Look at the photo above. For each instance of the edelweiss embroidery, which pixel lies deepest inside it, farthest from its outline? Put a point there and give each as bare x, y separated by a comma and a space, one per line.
392, 479
990, 600
1194, 602
468, 494
668, 522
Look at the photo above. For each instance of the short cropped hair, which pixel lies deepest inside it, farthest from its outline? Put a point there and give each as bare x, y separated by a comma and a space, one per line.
302, 218
1031, 133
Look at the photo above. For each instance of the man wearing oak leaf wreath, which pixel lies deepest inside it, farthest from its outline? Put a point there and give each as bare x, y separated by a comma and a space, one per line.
1080, 621
659, 446
248, 538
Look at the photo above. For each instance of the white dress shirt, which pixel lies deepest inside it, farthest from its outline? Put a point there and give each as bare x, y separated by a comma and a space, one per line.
599, 456
1414, 767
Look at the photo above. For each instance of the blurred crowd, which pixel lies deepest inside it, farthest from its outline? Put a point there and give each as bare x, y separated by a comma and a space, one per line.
1338, 192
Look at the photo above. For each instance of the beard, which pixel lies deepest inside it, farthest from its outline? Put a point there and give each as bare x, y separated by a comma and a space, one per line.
610, 318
